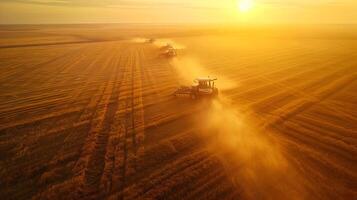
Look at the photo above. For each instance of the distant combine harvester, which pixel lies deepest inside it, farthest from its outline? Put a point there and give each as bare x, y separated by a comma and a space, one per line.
151, 40
169, 51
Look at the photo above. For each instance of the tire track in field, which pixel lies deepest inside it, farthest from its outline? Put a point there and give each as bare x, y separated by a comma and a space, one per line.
137, 104
52, 131
121, 159
86, 114
96, 163
93, 174
90, 115
63, 153
129, 128
117, 131
94, 148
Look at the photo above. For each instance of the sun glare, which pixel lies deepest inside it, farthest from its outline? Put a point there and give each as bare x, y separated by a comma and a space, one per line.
245, 5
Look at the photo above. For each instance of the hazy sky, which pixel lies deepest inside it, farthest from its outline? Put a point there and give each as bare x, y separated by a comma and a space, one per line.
177, 11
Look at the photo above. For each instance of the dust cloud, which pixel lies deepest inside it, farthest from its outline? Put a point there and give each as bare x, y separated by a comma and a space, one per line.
165, 41
159, 42
139, 40
254, 161
189, 69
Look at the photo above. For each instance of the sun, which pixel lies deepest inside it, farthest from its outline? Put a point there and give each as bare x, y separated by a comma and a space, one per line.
245, 5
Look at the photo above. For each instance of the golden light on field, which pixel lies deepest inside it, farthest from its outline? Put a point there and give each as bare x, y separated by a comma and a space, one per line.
245, 5
98, 99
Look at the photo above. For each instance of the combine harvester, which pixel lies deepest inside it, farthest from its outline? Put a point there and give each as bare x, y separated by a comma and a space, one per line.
151, 40
169, 51
204, 87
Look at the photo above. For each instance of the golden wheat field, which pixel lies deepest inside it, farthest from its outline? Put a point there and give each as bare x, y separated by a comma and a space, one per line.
87, 112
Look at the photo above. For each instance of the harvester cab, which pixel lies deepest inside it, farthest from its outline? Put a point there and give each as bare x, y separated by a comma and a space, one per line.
205, 86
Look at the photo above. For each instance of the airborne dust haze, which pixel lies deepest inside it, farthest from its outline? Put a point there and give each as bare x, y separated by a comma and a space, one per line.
254, 162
